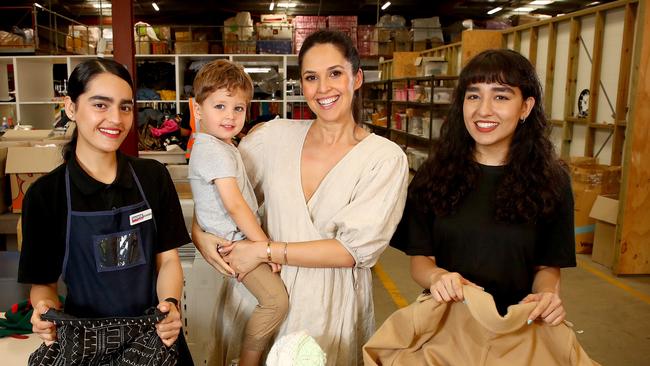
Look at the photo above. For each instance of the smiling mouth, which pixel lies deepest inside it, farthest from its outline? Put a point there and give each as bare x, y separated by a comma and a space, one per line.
328, 101
486, 126
109, 132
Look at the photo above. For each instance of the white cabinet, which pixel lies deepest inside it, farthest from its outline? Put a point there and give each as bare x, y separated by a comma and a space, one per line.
35, 83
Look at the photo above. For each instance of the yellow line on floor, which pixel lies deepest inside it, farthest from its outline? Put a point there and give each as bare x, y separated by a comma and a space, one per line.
390, 286
638, 294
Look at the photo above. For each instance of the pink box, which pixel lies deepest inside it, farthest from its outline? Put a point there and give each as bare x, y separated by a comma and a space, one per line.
411, 95
309, 21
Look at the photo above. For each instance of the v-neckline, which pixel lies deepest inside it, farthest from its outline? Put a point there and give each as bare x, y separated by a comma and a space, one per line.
329, 172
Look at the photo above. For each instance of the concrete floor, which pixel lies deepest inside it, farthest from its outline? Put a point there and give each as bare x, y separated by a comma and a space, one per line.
611, 315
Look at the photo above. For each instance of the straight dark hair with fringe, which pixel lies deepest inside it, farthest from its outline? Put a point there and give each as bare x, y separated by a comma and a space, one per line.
349, 51
529, 189
78, 82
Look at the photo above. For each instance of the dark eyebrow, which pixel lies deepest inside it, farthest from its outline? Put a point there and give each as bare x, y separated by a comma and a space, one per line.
503, 89
328, 69
498, 89
110, 100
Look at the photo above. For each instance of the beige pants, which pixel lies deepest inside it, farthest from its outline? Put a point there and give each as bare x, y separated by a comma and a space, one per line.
271, 309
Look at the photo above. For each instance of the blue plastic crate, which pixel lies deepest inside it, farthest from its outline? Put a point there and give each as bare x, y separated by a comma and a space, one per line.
274, 46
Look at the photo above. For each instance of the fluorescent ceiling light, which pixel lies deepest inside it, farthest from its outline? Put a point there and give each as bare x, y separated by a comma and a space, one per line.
102, 5
541, 2
39, 5
257, 70
524, 9
287, 5
497, 9
155, 6
272, 5
386, 5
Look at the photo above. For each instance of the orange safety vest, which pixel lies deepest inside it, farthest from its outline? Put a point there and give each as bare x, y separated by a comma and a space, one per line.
195, 128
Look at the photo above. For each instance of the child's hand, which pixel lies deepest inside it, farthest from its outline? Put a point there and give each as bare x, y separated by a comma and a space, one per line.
44, 329
169, 328
275, 267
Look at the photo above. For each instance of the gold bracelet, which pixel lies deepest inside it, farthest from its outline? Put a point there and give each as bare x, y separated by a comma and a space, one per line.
286, 261
268, 251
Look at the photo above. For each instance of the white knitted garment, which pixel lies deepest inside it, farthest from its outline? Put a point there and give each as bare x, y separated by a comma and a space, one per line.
296, 349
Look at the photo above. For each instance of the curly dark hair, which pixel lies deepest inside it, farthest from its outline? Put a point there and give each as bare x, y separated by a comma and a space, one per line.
530, 187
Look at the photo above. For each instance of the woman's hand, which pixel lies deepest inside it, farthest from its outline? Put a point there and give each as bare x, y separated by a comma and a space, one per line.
448, 286
549, 308
207, 244
44, 329
244, 256
169, 328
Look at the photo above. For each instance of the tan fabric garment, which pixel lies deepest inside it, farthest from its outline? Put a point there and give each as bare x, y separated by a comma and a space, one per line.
431, 333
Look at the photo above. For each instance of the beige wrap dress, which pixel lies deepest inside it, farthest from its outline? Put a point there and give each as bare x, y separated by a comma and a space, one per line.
359, 203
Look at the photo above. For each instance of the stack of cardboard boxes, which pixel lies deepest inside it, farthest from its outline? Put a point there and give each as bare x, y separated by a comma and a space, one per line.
26, 155
594, 187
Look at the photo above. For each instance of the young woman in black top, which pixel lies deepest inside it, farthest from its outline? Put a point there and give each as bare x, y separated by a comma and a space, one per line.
107, 223
493, 206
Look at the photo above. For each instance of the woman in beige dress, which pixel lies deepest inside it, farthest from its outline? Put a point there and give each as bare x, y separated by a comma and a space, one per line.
331, 195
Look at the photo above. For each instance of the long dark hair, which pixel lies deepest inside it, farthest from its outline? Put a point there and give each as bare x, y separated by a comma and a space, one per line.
78, 82
529, 188
344, 44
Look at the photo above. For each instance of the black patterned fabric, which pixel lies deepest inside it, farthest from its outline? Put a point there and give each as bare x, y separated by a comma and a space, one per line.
105, 342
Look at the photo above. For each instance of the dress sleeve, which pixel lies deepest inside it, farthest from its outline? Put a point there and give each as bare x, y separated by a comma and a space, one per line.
41, 257
170, 223
252, 149
367, 223
414, 234
555, 244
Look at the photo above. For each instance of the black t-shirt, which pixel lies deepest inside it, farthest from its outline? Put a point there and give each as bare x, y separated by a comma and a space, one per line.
500, 257
45, 210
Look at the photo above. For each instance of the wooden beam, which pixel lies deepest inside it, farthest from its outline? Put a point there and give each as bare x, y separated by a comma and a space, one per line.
570, 87
633, 232
550, 68
580, 13
622, 95
124, 53
532, 50
517, 41
594, 83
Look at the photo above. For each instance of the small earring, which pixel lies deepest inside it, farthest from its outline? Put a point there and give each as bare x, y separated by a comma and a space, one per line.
522, 121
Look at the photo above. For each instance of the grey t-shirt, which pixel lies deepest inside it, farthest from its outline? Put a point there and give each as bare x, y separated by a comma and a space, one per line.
213, 159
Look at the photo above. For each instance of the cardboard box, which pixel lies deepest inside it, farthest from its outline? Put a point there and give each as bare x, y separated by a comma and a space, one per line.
26, 135
192, 48
182, 36
589, 181
25, 165
5, 192
427, 66
404, 64
605, 212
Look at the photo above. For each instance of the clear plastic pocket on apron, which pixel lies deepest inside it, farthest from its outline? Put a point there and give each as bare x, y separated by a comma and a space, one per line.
118, 251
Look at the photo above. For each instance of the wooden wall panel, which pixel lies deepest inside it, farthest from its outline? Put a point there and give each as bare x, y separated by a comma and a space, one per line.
633, 250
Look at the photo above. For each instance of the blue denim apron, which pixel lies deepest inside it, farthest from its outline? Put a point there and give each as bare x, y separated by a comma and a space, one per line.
110, 265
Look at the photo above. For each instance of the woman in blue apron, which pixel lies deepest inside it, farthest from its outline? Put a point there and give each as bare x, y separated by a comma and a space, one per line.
109, 224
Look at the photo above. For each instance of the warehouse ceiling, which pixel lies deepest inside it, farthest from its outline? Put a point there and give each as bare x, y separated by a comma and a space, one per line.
214, 12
